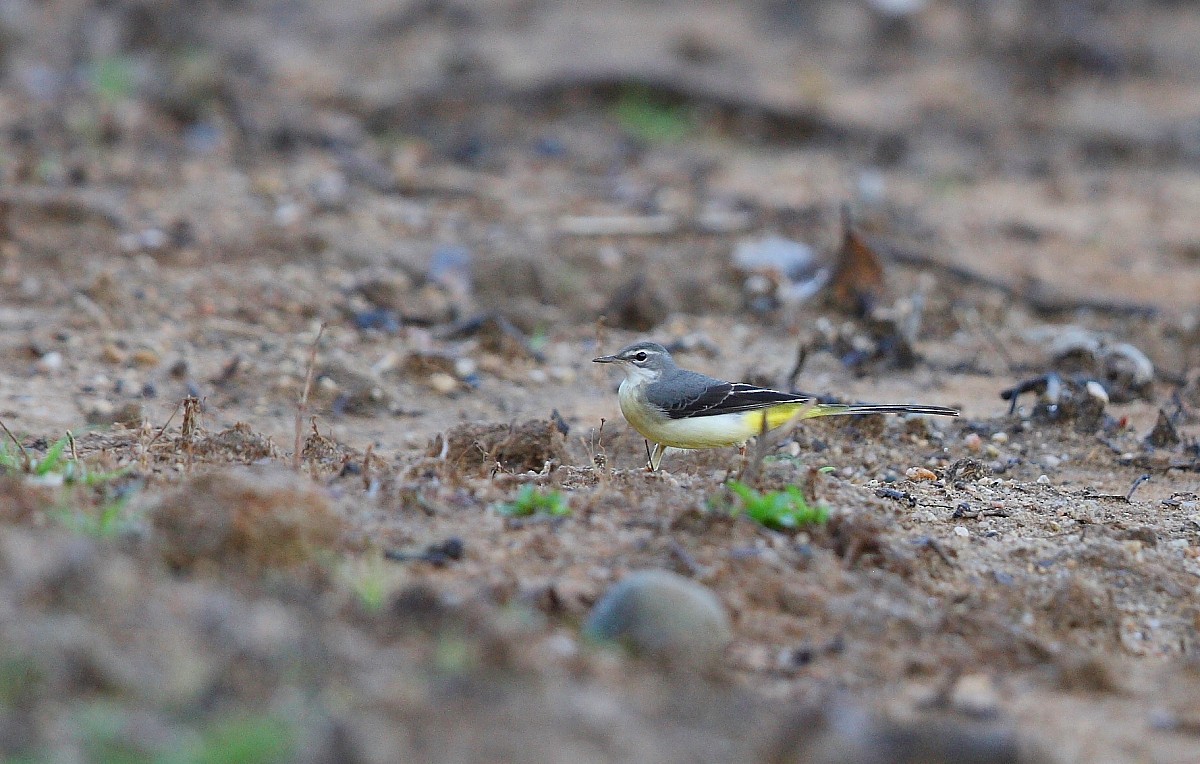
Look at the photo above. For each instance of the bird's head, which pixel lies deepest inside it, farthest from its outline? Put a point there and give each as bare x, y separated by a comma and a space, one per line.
641, 361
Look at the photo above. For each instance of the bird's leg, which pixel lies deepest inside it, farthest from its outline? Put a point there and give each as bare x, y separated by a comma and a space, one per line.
649, 458
656, 457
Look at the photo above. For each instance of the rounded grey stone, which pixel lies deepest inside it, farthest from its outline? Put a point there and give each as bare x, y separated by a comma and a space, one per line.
661, 615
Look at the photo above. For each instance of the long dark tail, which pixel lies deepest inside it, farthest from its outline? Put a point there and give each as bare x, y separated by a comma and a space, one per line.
837, 409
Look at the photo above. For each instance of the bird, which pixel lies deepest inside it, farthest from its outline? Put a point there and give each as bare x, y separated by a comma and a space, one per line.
677, 408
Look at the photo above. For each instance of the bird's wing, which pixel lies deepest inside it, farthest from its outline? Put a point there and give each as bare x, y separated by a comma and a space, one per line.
686, 394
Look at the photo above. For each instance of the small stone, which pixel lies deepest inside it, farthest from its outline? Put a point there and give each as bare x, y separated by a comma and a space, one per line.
961, 531
331, 191
975, 695
973, 442
110, 353
1000, 437
101, 412
464, 367
663, 616
1043, 480
131, 414
1050, 461
145, 357
443, 383
50, 362
1097, 391
288, 213
920, 474
327, 387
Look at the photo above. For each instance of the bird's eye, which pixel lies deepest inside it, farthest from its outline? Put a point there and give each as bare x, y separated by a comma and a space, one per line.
639, 356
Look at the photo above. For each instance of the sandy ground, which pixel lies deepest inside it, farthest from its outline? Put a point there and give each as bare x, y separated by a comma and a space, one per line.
468, 202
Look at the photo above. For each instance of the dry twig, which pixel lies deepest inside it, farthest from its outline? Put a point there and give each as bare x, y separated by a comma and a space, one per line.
302, 404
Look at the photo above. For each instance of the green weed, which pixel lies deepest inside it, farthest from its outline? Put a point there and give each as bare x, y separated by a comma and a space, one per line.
242, 740
56, 467
248, 739
370, 581
532, 501
20, 680
785, 510
106, 521
650, 118
113, 78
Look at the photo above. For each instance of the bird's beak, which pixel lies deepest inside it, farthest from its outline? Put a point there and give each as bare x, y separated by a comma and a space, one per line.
605, 359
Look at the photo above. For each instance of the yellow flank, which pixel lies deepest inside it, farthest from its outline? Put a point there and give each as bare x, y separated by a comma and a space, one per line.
710, 431
776, 416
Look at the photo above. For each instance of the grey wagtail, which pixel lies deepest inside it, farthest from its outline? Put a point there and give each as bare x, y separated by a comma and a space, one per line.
676, 408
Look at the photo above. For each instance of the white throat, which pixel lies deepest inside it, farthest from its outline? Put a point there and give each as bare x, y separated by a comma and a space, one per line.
636, 376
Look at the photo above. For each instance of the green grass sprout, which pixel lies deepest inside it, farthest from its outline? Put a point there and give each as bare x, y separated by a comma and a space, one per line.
532, 501
785, 510
369, 580
245, 740
56, 467
651, 118
107, 521
113, 78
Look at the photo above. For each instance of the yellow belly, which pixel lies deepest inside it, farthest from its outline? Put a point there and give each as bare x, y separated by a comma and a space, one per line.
706, 431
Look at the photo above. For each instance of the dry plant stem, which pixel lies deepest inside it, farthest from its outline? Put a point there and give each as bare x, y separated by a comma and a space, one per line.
366, 468
1136, 485
166, 424
187, 430
74, 453
798, 367
302, 404
752, 466
25, 462
764, 442
1001, 349
601, 332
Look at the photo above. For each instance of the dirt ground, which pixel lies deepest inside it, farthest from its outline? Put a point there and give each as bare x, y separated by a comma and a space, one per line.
424, 219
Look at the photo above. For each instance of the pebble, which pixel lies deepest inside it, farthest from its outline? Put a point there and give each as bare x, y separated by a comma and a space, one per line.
443, 383
561, 646
1043, 480
664, 616
775, 255
973, 442
1050, 461
464, 367
920, 474
1097, 391
110, 353
331, 191
961, 531
52, 361
287, 214
1126, 358
131, 414
1000, 437
145, 357
975, 695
